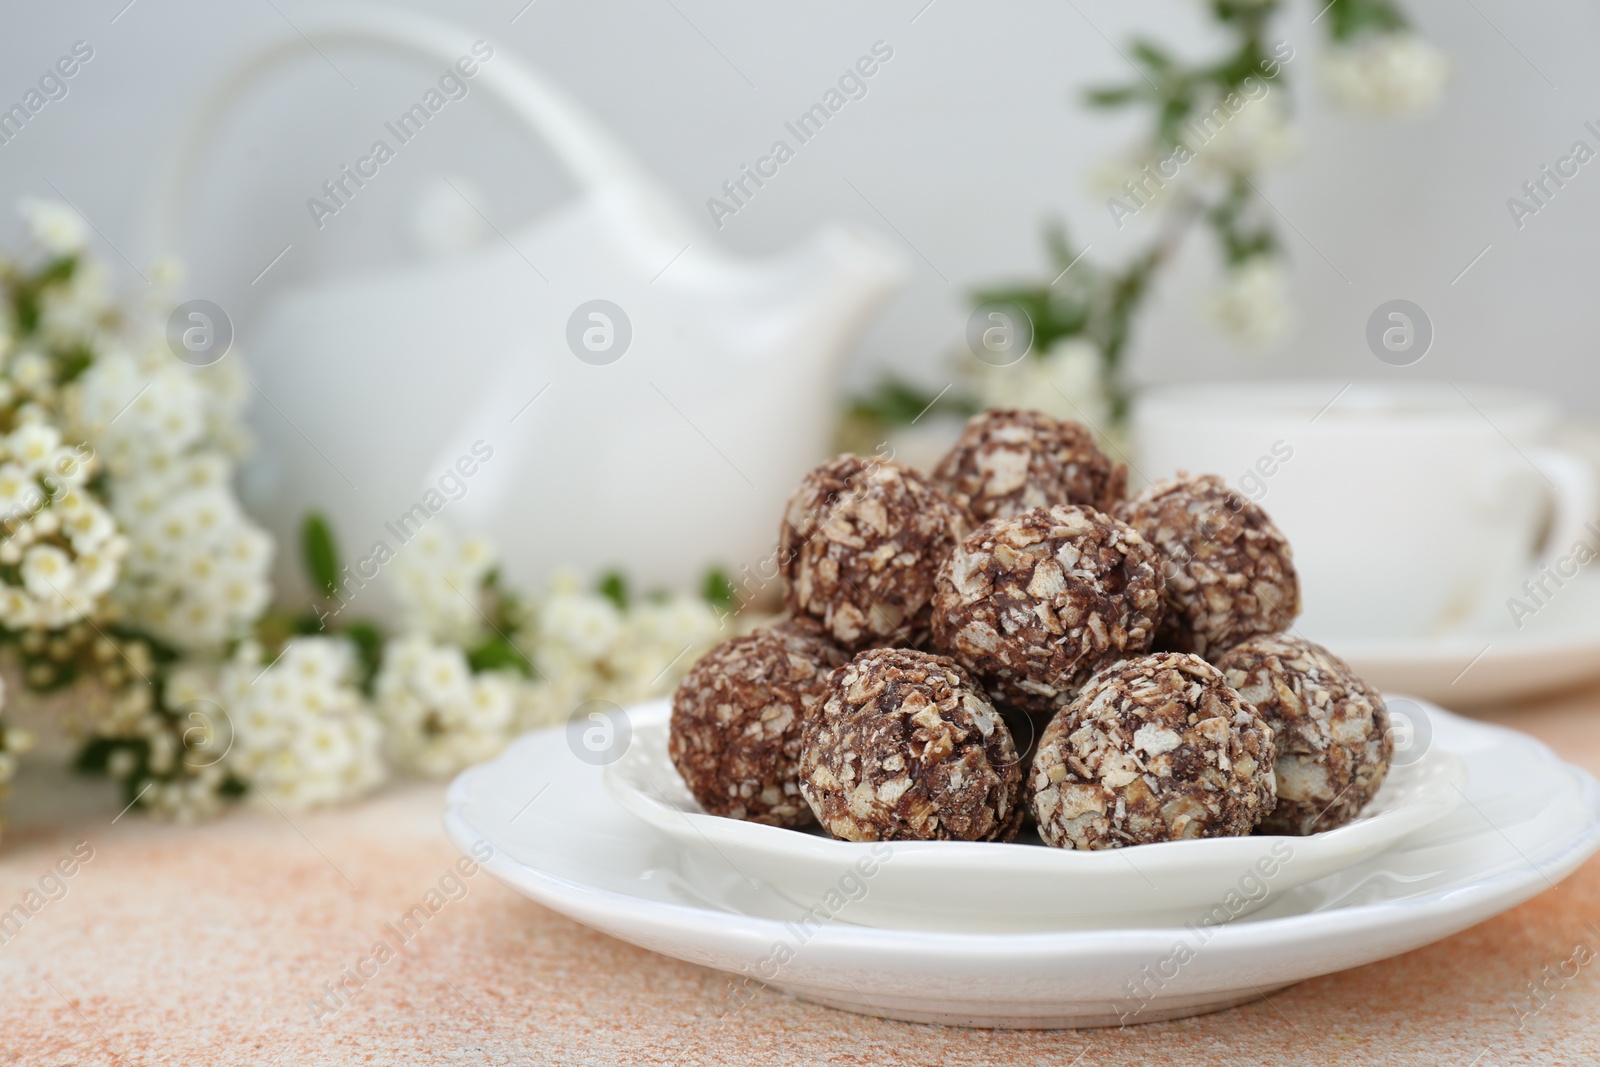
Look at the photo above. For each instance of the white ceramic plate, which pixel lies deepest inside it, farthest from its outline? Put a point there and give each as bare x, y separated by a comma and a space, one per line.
1528, 820
954, 885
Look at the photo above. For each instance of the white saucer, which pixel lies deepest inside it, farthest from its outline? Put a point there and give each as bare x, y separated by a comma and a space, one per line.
1494, 662
1528, 820
951, 885
1478, 669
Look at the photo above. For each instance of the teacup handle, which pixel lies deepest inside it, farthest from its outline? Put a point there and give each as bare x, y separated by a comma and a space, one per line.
1575, 506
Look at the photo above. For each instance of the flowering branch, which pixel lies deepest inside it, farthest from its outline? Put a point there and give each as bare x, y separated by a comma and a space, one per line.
1214, 126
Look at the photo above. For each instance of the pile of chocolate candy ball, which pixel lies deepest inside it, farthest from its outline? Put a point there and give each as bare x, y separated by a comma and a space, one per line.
1011, 637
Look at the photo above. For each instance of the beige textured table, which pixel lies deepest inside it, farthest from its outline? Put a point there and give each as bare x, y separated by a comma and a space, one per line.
206, 944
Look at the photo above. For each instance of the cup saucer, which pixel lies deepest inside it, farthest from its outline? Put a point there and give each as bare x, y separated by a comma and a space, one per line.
1556, 648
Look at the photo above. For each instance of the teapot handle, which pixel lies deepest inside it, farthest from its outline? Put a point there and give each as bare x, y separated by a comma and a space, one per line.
595, 159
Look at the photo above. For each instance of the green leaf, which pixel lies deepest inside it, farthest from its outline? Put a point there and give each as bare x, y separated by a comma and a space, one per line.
896, 402
368, 639
717, 589
1116, 97
59, 269
94, 758
1348, 19
1154, 58
614, 587
498, 654
320, 553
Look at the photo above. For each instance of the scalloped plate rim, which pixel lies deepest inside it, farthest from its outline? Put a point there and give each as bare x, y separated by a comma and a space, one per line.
1169, 856
722, 925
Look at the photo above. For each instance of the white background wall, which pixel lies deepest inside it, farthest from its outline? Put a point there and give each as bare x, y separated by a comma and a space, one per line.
968, 140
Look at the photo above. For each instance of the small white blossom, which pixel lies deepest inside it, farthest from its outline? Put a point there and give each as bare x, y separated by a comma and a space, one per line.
31, 372
198, 570
20, 495
1385, 74
1252, 304
140, 411
303, 735
439, 577
33, 445
440, 717
1067, 382
55, 225
1258, 135
585, 648
586, 625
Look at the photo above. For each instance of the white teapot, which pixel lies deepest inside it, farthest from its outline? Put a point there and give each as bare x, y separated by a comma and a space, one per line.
600, 388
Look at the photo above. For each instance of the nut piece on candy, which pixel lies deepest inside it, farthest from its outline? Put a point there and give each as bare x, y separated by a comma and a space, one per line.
1157, 748
1230, 573
735, 731
907, 749
1007, 461
860, 544
1331, 730
1036, 603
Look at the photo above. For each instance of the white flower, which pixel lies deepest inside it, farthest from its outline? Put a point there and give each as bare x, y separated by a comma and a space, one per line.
89, 527
68, 467
18, 611
74, 312
1146, 177
439, 582
20, 494
141, 412
442, 678
55, 225
197, 571
33, 445
56, 590
303, 736
586, 623
31, 371
1252, 304
1385, 74
440, 717
1067, 382
1258, 135
585, 648
46, 571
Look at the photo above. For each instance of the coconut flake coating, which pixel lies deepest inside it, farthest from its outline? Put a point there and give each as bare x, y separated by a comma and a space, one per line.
860, 544
1157, 748
1036, 603
907, 749
1230, 574
736, 716
1331, 729
1007, 461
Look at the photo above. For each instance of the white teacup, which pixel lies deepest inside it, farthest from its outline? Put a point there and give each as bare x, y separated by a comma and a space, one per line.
1414, 509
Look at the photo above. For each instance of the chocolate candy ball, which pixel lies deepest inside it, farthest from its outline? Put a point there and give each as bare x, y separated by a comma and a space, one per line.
1007, 461
1036, 603
907, 749
1156, 748
736, 717
1230, 574
860, 544
1331, 730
